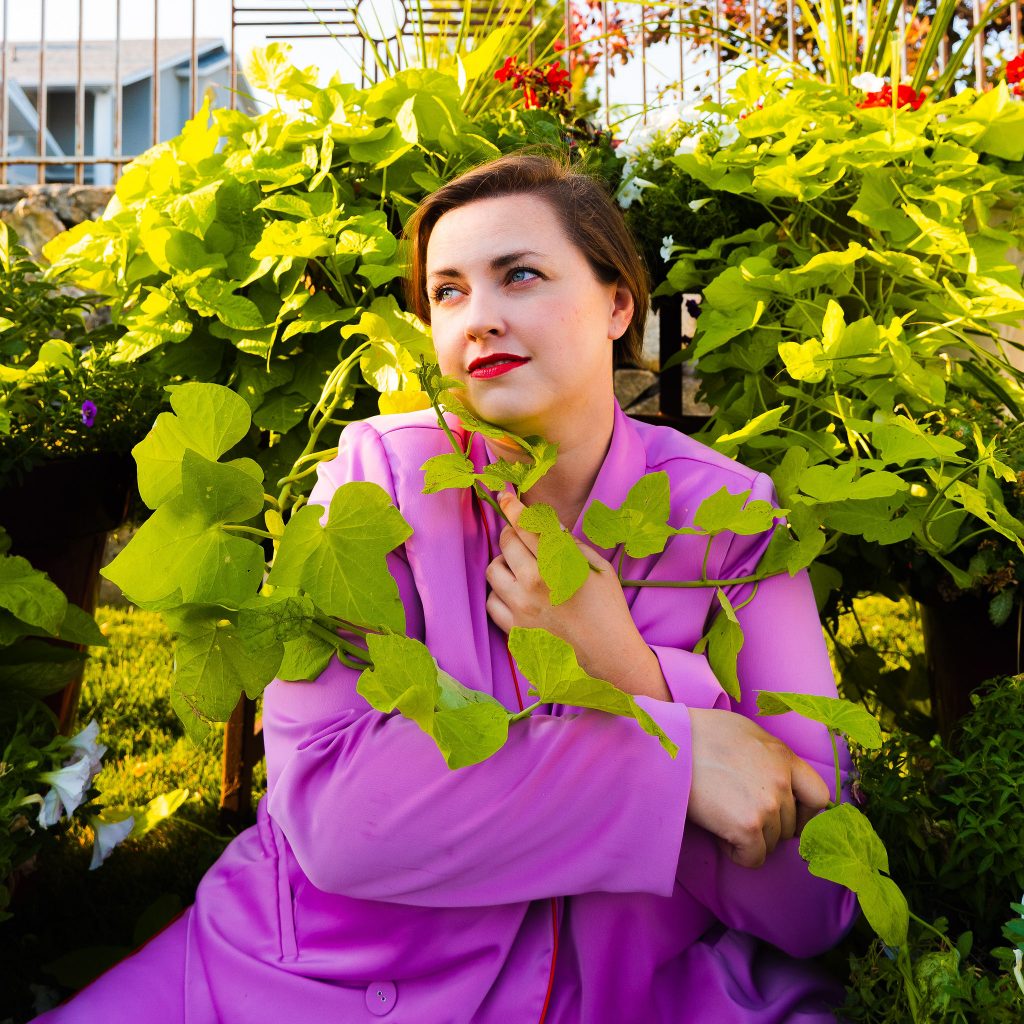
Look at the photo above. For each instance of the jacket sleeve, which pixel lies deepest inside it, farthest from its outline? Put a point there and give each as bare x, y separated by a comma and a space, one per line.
584, 802
783, 650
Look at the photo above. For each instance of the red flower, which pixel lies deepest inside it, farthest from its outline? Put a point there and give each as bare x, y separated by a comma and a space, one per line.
530, 101
508, 68
905, 97
1015, 70
557, 77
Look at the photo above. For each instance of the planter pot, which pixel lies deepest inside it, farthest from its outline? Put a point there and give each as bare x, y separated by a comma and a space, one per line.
962, 649
58, 517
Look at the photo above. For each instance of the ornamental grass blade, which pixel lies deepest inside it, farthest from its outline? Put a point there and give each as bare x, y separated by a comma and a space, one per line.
839, 715
555, 675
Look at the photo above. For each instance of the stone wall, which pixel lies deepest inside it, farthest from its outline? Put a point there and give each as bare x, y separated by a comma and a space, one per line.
39, 212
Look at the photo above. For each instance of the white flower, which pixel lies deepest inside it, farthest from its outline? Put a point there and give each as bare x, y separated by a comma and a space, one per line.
70, 784
728, 135
867, 82
106, 835
50, 809
631, 190
667, 244
86, 745
687, 144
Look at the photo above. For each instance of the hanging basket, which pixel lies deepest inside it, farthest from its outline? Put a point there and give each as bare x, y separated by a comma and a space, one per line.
58, 517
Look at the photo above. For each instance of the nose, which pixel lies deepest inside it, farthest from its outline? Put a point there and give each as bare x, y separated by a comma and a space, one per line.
484, 318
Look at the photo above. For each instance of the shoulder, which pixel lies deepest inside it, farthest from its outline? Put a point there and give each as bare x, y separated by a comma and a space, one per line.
386, 450
690, 462
403, 438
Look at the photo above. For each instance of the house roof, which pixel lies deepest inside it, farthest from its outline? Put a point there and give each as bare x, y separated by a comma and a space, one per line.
98, 60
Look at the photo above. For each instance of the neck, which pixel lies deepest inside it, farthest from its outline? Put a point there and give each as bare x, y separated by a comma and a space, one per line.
581, 452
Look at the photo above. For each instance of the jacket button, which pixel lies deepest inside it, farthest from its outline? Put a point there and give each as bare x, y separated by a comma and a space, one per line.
381, 997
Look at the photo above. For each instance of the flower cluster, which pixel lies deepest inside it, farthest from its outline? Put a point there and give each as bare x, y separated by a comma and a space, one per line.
538, 84
905, 97
1015, 74
69, 788
69, 785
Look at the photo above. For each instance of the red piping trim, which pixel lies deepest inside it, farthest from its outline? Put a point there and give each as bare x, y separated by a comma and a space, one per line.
519, 698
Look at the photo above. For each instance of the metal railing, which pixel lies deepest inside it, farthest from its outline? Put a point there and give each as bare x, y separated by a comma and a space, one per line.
696, 41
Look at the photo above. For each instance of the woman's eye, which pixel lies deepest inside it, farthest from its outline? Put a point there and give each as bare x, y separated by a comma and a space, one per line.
521, 270
440, 292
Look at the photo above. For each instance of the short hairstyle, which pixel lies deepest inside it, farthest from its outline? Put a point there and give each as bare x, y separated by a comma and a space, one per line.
583, 204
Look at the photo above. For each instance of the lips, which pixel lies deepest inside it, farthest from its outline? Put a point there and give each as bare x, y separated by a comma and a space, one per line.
495, 365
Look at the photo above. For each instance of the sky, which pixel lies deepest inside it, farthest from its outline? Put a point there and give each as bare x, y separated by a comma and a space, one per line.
213, 19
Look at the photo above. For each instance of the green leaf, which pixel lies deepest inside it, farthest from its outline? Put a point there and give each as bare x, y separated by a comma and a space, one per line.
901, 441
723, 642
561, 563
723, 512
640, 522
181, 554
342, 566
840, 845
158, 809
728, 444
31, 595
79, 627
550, 664
213, 666
305, 658
805, 360
522, 475
467, 725
837, 714
452, 470
837, 483
207, 418
267, 620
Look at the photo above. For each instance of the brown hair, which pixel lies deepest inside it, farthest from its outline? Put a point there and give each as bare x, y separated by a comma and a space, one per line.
589, 217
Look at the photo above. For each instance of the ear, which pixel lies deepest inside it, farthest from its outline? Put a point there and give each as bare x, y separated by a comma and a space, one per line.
622, 309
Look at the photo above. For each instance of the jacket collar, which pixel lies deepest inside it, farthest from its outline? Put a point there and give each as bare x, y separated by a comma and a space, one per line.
624, 464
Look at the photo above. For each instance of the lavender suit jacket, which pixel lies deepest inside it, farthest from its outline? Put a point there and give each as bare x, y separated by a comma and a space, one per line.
562, 871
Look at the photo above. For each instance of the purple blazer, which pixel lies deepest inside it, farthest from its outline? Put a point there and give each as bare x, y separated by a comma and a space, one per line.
560, 873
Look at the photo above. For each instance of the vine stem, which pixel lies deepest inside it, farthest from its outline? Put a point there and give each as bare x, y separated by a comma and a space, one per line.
481, 492
690, 584
525, 713
237, 528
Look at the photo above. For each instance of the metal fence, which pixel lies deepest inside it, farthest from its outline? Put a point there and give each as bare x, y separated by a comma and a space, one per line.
78, 109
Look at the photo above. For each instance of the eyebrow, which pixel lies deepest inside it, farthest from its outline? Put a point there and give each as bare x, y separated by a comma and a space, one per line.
498, 263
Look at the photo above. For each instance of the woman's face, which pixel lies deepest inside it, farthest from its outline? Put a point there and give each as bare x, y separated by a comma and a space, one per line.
520, 318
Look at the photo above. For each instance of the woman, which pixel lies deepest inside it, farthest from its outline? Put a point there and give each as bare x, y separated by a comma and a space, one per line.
580, 875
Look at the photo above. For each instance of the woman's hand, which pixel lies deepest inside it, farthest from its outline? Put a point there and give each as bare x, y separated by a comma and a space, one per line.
748, 788
595, 620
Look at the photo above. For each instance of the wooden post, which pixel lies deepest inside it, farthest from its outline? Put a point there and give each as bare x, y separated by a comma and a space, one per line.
243, 747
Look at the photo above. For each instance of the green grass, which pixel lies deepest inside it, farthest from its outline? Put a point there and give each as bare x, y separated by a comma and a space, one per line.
69, 923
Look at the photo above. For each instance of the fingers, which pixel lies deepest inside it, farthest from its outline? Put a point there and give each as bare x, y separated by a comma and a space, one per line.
810, 790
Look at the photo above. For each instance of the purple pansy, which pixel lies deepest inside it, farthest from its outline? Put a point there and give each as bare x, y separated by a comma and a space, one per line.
88, 413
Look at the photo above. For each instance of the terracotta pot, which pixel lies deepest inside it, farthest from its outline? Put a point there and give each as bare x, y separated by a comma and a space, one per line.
58, 517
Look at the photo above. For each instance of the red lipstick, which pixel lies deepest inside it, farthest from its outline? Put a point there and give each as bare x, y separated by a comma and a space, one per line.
495, 365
